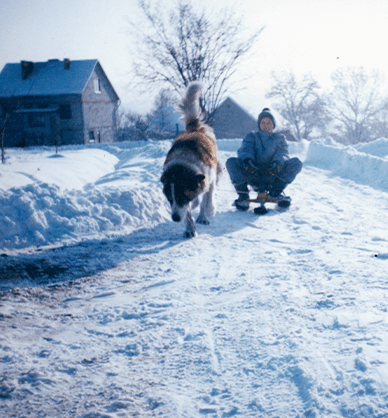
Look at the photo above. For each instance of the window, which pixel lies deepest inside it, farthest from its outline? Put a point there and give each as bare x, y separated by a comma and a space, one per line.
97, 86
36, 120
65, 111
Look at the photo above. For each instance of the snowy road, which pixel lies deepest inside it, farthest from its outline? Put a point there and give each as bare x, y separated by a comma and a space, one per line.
276, 316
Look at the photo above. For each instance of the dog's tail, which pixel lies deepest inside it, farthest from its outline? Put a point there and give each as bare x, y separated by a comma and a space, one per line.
190, 108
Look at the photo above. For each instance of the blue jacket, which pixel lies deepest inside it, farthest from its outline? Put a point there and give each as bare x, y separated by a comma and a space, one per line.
264, 148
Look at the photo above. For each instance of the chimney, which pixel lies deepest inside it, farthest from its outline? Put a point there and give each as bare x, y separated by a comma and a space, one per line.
66, 63
27, 68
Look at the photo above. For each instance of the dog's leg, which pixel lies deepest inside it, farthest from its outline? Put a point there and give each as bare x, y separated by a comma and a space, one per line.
195, 203
207, 206
190, 225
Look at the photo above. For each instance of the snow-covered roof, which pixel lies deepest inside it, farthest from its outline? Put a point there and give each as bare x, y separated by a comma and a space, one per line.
46, 79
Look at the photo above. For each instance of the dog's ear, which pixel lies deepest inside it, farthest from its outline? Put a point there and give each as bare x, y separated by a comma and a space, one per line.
199, 178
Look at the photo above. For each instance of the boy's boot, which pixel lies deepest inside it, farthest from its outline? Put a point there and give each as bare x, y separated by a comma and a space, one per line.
277, 187
243, 194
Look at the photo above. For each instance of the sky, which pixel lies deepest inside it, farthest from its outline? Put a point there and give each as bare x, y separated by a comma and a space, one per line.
303, 36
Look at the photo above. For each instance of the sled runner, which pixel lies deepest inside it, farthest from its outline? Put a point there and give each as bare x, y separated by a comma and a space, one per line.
263, 198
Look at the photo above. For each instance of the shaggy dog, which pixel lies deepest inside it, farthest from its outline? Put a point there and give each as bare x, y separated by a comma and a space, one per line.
191, 168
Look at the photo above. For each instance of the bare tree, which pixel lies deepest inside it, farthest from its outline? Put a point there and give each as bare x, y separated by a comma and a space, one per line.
133, 127
162, 113
3, 126
379, 126
180, 44
164, 101
355, 104
300, 104
165, 98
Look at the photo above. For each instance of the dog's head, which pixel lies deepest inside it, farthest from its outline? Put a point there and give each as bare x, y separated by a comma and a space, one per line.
181, 185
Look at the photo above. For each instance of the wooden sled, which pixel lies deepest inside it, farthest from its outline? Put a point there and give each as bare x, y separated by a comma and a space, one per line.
263, 198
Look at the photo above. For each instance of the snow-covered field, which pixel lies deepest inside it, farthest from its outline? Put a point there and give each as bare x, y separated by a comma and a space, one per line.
107, 311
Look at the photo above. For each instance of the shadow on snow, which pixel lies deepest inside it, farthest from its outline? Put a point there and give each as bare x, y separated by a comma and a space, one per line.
88, 258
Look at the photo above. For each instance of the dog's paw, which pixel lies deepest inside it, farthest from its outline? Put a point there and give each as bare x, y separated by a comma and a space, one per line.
202, 220
190, 234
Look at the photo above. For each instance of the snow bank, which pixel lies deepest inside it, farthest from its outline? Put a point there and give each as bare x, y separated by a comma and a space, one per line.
299, 149
39, 214
360, 164
378, 148
106, 189
70, 169
86, 193
228, 145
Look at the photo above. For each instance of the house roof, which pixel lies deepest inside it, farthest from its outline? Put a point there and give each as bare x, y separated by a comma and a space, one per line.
232, 121
280, 121
229, 101
46, 79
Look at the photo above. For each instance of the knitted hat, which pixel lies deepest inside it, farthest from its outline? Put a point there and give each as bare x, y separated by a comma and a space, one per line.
265, 113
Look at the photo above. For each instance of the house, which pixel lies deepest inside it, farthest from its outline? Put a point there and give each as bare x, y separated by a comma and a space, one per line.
232, 121
57, 102
288, 135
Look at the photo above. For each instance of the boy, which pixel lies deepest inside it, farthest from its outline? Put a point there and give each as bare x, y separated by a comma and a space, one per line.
262, 162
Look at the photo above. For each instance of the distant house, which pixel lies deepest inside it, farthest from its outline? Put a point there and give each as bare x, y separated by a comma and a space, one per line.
289, 137
232, 121
65, 102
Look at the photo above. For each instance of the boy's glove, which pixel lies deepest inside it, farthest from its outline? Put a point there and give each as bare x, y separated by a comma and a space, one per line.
250, 166
274, 168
